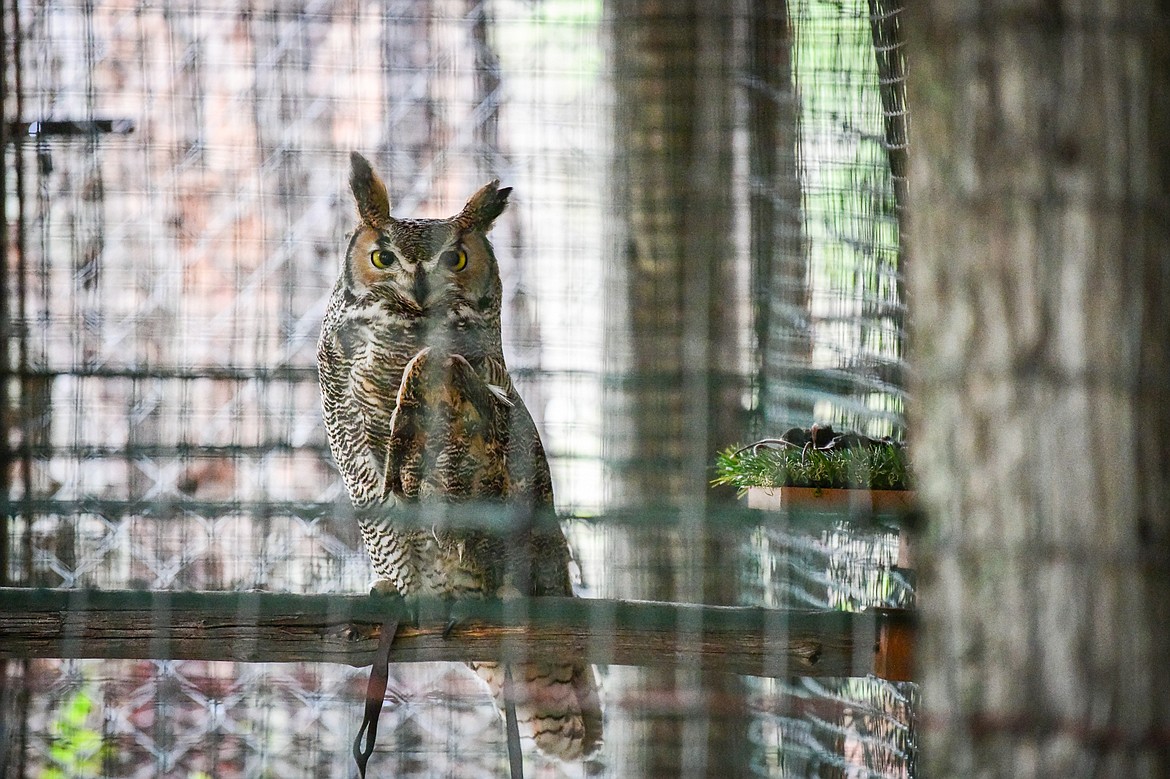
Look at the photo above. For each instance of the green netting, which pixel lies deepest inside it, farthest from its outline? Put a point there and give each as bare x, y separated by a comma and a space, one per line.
702, 249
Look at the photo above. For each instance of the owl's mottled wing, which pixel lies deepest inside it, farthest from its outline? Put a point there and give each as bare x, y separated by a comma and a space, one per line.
530, 487
448, 433
459, 437
529, 478
462, 436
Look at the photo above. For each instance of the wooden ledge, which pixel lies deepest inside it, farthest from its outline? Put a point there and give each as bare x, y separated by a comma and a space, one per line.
276, 627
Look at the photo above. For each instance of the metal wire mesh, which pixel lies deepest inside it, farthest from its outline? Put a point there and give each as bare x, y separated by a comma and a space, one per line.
164, 290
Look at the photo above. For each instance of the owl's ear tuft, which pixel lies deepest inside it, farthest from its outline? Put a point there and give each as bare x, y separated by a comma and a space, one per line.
373, 201
484, 206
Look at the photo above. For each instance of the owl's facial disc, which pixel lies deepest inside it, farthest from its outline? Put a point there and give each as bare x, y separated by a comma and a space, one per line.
371, 261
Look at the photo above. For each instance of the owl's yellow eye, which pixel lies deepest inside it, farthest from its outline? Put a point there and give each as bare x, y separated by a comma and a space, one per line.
455, 259
380, 259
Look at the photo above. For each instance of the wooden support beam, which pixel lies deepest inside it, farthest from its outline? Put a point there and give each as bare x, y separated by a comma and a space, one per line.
856, 508
275, 627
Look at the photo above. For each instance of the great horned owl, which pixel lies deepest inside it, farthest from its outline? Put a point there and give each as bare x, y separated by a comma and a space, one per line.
419, 407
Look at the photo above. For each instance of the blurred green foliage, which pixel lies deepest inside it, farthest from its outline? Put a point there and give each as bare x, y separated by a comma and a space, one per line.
76, 750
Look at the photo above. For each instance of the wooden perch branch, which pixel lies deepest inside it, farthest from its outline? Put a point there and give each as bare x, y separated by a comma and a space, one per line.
273, 627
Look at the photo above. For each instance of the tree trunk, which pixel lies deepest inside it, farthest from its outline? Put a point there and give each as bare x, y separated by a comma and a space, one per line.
671, 343
1040, 291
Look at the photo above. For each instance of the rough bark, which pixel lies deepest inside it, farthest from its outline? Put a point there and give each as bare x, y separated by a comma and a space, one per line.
278, 627
671, 340
1041, 338
673, 334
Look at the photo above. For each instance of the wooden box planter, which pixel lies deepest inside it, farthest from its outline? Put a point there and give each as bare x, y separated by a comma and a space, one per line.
831, 500
876, 504
894, 643
841, 502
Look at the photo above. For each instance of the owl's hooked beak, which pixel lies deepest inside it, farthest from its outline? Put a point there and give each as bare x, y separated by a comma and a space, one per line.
421, 287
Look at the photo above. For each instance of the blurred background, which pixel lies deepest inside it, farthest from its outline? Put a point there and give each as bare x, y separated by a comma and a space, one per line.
702, 249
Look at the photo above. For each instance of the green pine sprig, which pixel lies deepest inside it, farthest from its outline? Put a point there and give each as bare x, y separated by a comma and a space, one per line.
881, 467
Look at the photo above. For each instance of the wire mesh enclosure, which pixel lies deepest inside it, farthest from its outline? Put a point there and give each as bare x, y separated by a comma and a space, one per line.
702, 249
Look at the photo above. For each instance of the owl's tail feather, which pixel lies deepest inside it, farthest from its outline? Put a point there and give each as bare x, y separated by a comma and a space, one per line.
557, 704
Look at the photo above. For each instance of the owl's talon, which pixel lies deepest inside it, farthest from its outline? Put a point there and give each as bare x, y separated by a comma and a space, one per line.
509, 592
457, 614
459, 610
383, 587
407, 607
